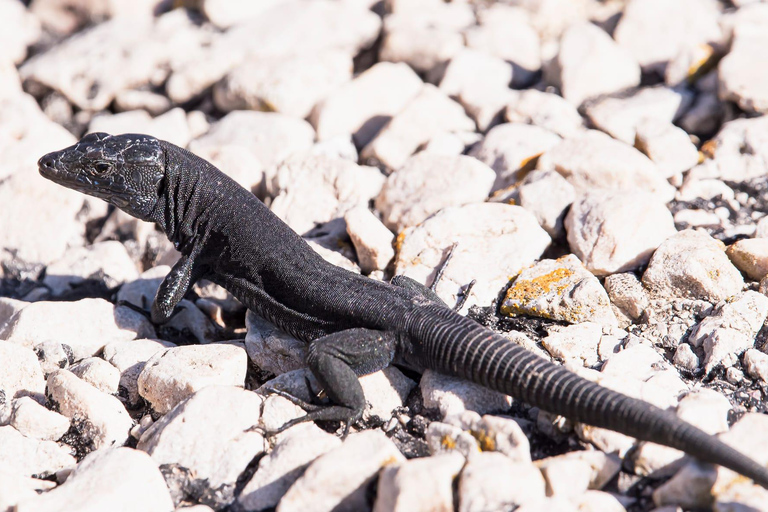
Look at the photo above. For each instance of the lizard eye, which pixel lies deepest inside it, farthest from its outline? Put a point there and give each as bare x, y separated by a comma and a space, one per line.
102, 168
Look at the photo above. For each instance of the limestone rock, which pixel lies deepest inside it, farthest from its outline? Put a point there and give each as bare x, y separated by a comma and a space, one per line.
419, 484
546, 110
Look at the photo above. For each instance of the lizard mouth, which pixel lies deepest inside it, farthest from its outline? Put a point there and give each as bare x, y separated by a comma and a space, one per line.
110, 190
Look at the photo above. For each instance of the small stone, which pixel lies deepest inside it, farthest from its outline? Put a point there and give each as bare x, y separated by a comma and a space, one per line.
118, 480
171, 376
493, 433
385, 391
363, 106
491, 481
135, 99
15, 488
372, 240
485, 104
575, 343
272, 349
340, 477
739, 80
738, 151
691, 487
547, 195
692, 264
571, 474
734, 375
559, 289
451, 395
546, 110
558, 503
20, 29
750, 256
669, 147
53, 356
226, 13
171, 126
615, 231
207, 439
590, 63
20, 373
25, 456
445, 438
428, 183
423, 48
598, 501
472, 70
707, 409
627, 293
33, 420
107, 262
685, 358
98, 373
129, 357
419, 484
704, 116
756, 364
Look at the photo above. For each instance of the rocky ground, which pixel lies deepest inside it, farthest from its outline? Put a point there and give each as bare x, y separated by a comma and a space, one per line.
598, 167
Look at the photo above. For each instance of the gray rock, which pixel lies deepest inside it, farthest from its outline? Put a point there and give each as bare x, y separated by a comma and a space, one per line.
491, 481
428, 183
576, 344
627, 293
171, 126
750, 255
20, 373
271, 349
546, 110
53, 356
669, 147
451, 395
129, 357
616, 231
686, 358
25, 456
371, 238
33, 420
493, 241
704, 116
8, 308
419, 484
738, 152
171, 376
98, 373
107, 262
121, 480
756, 364
473, 70
692, 264
207, 442
385, 391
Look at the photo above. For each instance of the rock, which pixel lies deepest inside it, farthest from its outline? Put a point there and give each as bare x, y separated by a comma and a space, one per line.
423, 47
547, 195
15, 488
129, 357
620, 116
452, 395
547, 110
616, 231
445, 438
419, 484
171, 126
739, 81
654, 32
284, 464
690, 487
575, 343
493, 433
472, 70
43, 321
335, 186
244, 144
171, 376
205, 443
590, 63
340, 477
704, 116
363, 106
507, 237
271, 349
290, 86
559, 290
20, 29
33, 420
756, 364
593, 160
98, 373
64, 17
692, 264
738, 151
226, 13
285, 30
24, 456
669, 147
427, 115
372, 240
99, 419
53, 356
627, 293
512, 149
121, 480
107, 262
8, 308
686, 358
597, 501
135, 99
490, 481
691, 65
485, 103
385, 391
20, 373
750, 255
571, 474
428, 183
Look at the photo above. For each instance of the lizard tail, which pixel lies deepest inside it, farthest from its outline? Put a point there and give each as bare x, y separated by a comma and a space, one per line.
458, 346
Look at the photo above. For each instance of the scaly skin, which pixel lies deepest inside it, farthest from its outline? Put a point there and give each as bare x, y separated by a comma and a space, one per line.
354, 325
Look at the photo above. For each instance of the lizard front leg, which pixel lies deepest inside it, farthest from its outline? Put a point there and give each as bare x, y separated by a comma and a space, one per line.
176, 284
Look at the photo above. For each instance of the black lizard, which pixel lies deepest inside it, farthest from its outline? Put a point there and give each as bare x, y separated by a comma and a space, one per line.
354, 325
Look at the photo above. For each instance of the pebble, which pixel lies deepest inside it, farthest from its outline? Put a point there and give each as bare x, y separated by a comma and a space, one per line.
756, 364
227, 13
98, 373
26, 456
371, 238
119, 480
385, 391
571, 474
493, 241
15, 488
475, 71
339, 479
692, 264
171, 126
428, 183
493, 433
739, 80
271, 349
686, 358
429, 114
750, 255
419, 484
546, 110
669, 147
547, 195
626, 292
577, 343
423, 48
445, 438
491, 481
590, 63
136, 99
53, 356
617, 231
486, 104
20, 373
451, 395
129, 357
35, 421
738, 152
597, 501
207, 443
174, 374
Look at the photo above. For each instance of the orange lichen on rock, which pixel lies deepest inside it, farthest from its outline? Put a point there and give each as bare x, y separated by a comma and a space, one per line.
523, 292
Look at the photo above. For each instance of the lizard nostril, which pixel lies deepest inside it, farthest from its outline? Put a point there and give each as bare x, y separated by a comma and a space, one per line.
46, 163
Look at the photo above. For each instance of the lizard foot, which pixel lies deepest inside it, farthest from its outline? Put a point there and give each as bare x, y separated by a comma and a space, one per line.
145, 311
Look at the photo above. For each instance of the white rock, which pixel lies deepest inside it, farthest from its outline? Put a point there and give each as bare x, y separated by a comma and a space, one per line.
243, 144
756, 364
546, 110
119, 480
554, 503
546, 194
620, 116
171, 126
129, 358
311, 190
707, 409
475, 70
506, 238
19, 30
577, 343
429, 13
669, 147
43, 321
385, 391
571, 474
445, 438
511, 149
597, 501
20, 373
655, 31
590, 63
692, 264
739, 151
98, 373
107, 262
100, 419
627, 293
486, 103
686, 358
25, 456
372, 240
15, 488
419, 484
290, 86
207, 438
750, 255
451, 395
421, 47
226, 13
560, 289
53, 356
428, 183
428, 114
493, 433
739, 80
64, 17
9, 307
33, 420
136, 99
284, 464
491, 481
363, 106
593, 160
271, 349
173, 375
617, 231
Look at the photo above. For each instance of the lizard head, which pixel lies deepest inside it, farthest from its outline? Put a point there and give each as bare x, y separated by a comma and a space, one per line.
125, 170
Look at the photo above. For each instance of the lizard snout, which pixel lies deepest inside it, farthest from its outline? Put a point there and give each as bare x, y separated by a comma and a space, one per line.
47, 165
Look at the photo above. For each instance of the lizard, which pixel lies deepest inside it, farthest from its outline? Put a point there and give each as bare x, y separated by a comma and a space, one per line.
354, 325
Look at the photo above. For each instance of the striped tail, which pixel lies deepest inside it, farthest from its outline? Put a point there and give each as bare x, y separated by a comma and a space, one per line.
455, 345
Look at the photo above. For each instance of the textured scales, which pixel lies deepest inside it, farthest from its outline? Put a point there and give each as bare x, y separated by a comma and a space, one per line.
354, 325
